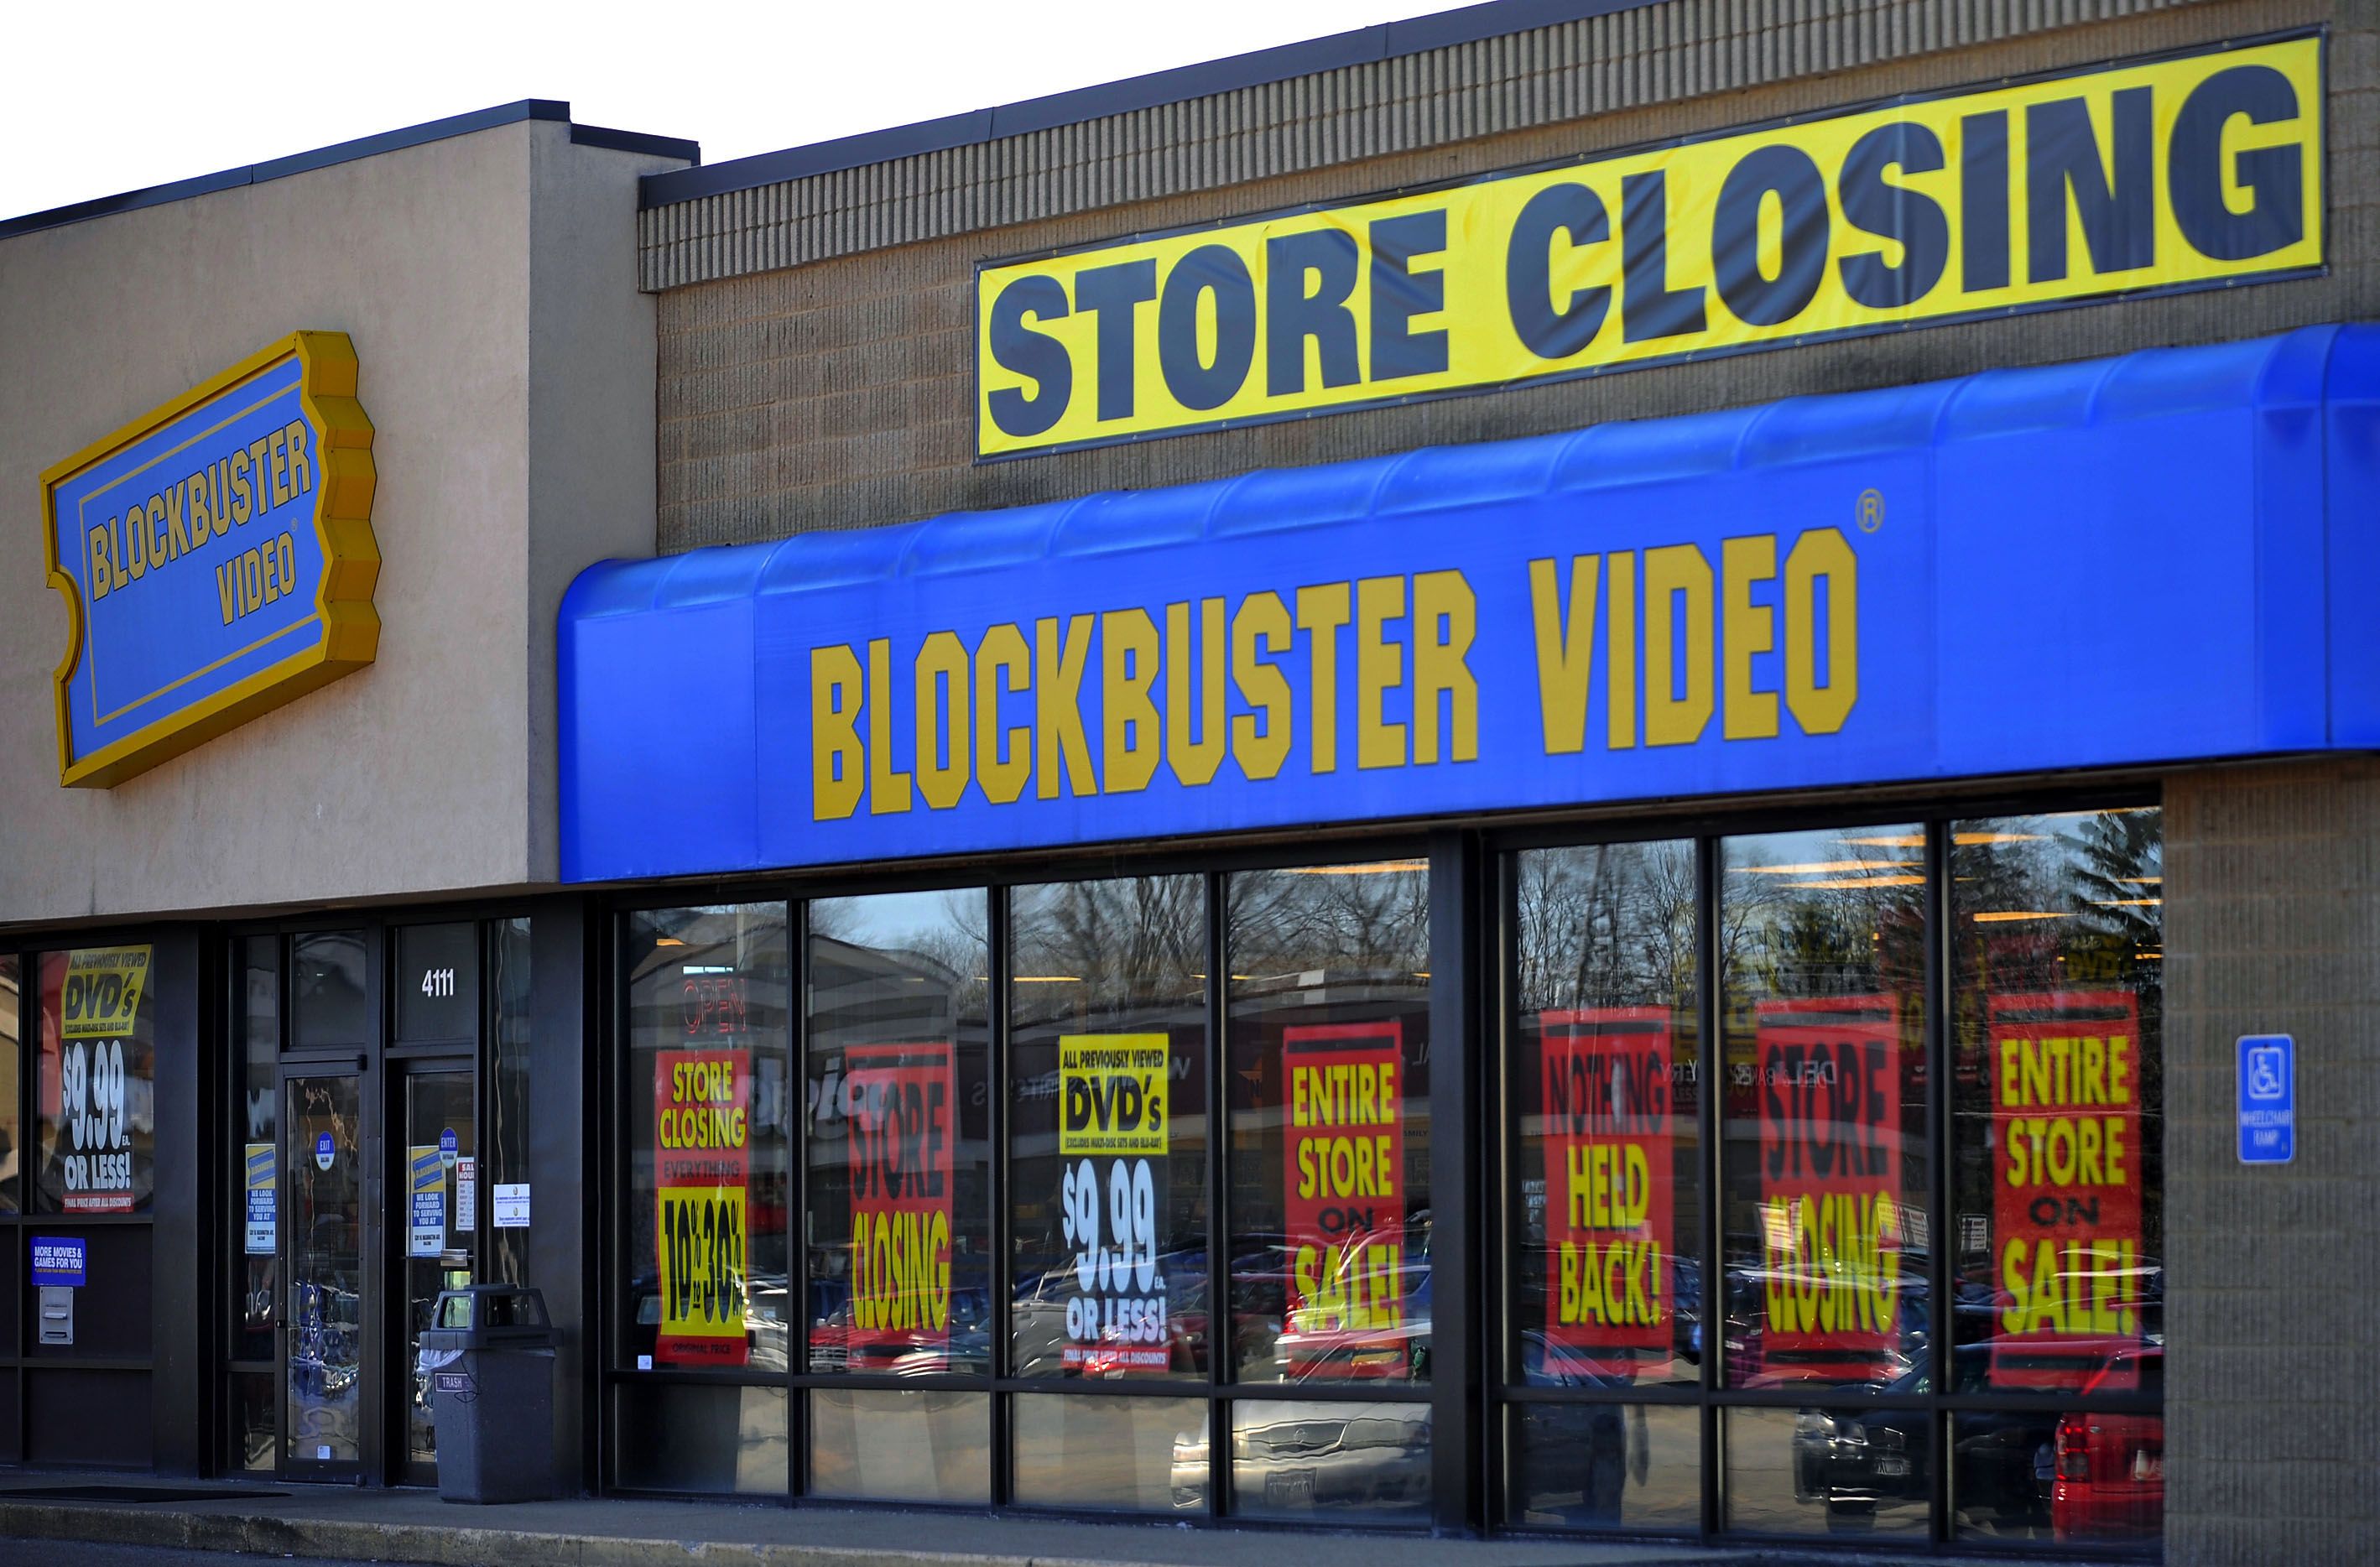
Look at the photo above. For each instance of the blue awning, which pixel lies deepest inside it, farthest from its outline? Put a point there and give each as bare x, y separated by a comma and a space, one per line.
2162, 558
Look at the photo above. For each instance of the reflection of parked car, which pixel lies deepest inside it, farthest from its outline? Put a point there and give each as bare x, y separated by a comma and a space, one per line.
1301, 1455
964, 1345
2111, 1467
1851, 1459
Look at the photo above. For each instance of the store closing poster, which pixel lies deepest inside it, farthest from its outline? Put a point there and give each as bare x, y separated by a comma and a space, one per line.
1344, 1156
1113, 1135
702, 1101
2066, 1188
1609, 1221
901, 1161
98, 1006
1829, 1086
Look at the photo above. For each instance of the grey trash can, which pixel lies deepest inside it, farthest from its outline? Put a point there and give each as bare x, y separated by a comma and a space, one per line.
488, 1355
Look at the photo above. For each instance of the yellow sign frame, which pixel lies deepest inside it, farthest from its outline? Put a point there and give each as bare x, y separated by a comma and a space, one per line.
1426, 291
342, 519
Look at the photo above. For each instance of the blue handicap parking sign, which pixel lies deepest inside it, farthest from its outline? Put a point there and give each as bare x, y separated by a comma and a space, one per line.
2268, 1099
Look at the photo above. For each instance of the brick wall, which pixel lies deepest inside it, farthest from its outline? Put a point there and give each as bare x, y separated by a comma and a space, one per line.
2272, 1391
839, 395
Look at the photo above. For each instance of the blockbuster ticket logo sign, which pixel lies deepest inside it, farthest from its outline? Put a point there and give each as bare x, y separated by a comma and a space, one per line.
1608, 1188
216, 557
2197, 170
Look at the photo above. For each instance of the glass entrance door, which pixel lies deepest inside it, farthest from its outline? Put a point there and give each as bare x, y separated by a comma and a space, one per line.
323, 1370
436, 1230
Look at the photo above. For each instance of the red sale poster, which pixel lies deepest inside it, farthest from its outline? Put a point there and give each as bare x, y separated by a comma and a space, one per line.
902, 1156
703, 1102
1828, 1078
1344, 1153
1610, 1294
2066, 1185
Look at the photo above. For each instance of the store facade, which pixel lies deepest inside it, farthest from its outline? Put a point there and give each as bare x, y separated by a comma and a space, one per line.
1530, 774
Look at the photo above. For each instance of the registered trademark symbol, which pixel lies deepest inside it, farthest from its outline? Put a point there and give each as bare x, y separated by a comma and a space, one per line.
1871, 510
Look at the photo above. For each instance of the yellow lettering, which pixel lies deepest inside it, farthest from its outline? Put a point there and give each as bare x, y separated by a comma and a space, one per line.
301, 472
1195, 761
1674, 572
1380, 669
1127, 712
1441, 665
942, 716
1001, 659
1262, 622
1565, 650
1620, 649
835, 758
1321, 612
1058, 740
1821, 709
1749, 630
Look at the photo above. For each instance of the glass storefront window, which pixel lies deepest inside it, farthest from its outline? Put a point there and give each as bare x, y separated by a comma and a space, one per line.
1834, 1471
1130, 1454
98, 1099
255, 1002
1604, 1466
909, 1445
1822, 941
1605, 1203
710, 1135
508, 1058
1328, 1074
330, 1001
12, 1118
2057, 941
899, 1237
1108, 1128
1342, 1463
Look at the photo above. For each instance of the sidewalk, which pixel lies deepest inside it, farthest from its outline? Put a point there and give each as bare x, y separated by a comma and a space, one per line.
355, 1525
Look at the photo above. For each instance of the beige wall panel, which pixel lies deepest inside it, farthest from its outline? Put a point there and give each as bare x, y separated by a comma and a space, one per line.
421, 773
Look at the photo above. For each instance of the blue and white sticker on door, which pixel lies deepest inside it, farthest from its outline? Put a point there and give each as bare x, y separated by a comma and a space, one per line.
263, 1200
429, 1228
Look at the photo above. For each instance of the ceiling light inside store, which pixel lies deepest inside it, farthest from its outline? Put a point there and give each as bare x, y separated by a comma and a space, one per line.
1045, 978
1971, 840
1825, 867
1372, 867
2000, 916
2141, 881
2126, 903
1847, 882
667, 942
1900, 841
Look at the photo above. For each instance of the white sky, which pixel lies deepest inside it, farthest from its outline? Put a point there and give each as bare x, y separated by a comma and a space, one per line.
111, 98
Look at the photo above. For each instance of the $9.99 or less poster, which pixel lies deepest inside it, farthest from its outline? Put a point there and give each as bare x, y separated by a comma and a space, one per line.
1607, 1189
1113, 1135
1829, 1086
902, 1159
1345, 1157
703, 1102
2066, 1186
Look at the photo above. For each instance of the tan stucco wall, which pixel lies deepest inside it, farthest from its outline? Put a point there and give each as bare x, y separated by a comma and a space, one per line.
488, 283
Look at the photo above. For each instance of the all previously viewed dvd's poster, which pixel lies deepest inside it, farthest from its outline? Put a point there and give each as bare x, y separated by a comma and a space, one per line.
1828, 1077
702, 1105
91, 1093
1344, 1200
2066, 1186
1113, 1131
1610, 1295
902, 1157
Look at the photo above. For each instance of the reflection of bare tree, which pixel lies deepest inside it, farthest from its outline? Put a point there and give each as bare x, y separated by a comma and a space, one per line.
1344, 918
1111, 944
1606, 925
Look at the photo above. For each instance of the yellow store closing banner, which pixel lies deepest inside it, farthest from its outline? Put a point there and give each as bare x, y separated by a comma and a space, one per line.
2192, 170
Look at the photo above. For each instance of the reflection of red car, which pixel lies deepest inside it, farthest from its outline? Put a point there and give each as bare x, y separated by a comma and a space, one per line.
2111, 1467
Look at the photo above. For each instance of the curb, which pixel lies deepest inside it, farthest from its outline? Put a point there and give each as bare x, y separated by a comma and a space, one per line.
450, 1546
